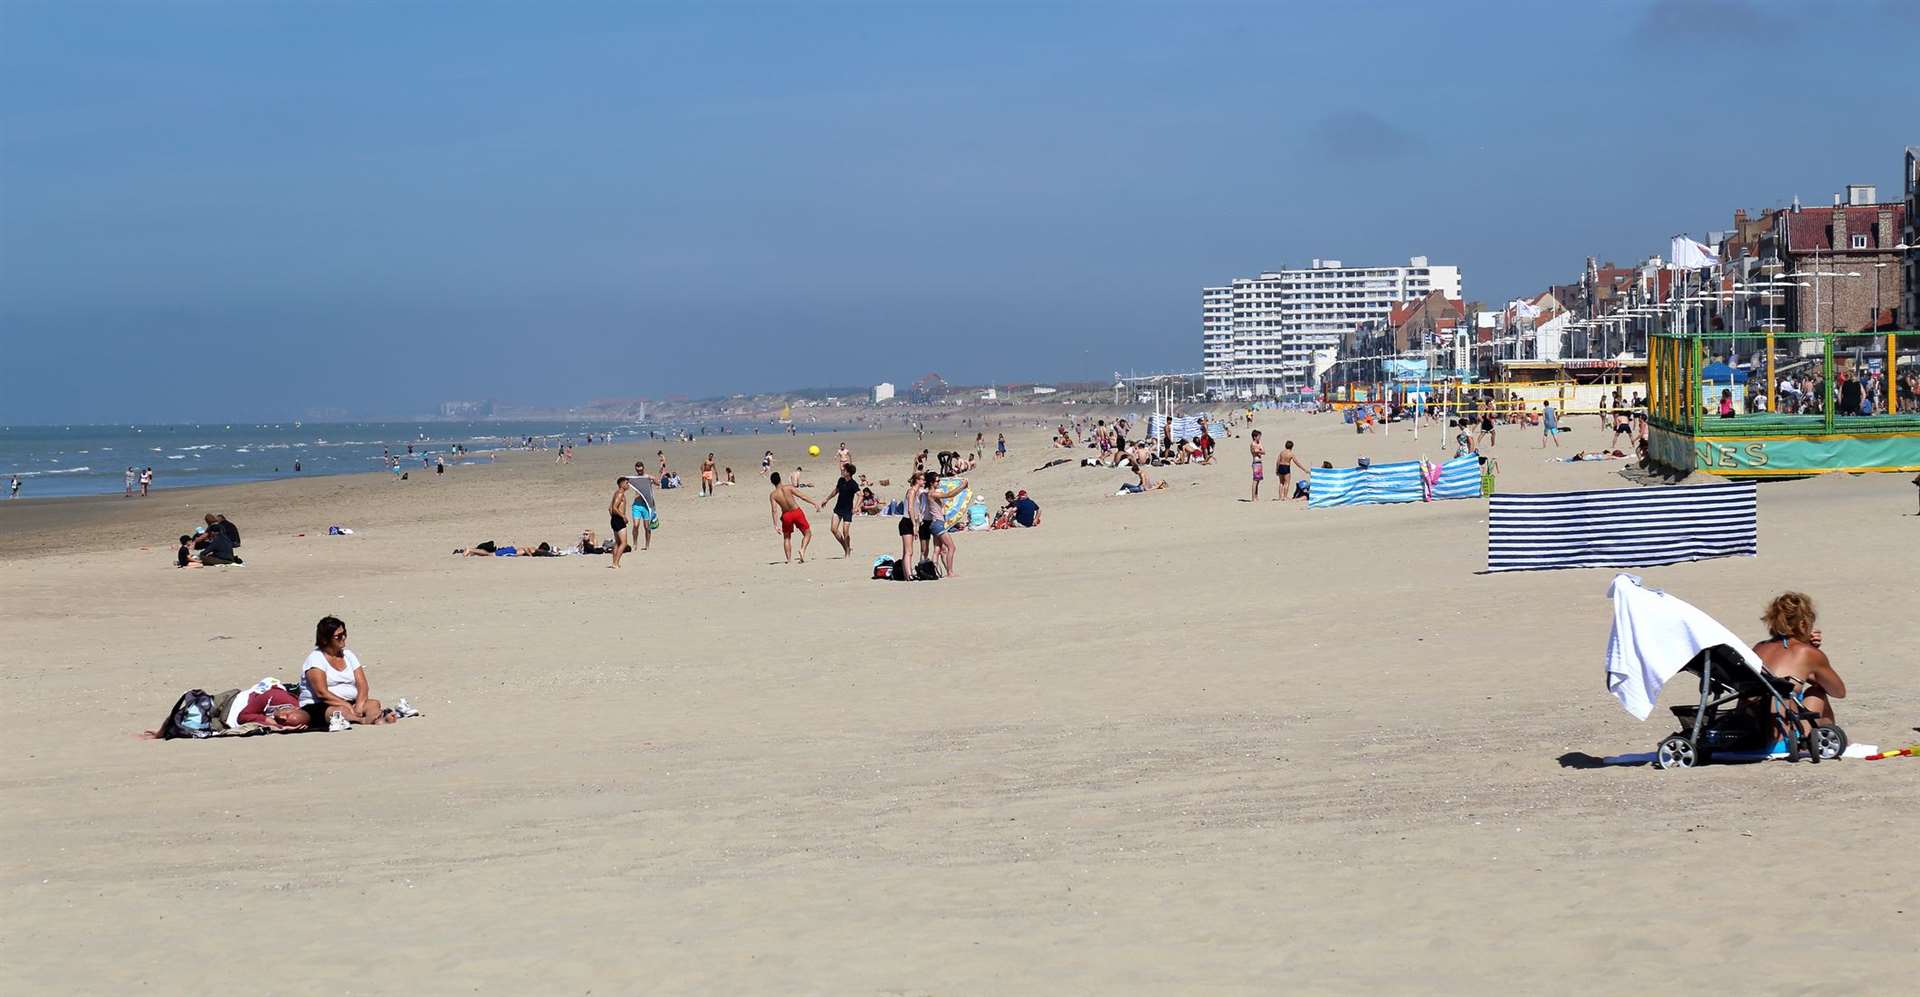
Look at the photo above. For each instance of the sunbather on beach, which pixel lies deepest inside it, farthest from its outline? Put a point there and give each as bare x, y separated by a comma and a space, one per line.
332, 683
274, 707
1793, 652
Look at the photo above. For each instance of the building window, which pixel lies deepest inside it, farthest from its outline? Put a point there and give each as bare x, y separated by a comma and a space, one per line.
1859, 241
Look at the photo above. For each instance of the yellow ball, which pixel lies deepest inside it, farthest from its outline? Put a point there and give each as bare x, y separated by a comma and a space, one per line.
813, 451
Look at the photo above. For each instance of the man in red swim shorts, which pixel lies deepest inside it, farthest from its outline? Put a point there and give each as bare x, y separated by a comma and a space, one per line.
785, 501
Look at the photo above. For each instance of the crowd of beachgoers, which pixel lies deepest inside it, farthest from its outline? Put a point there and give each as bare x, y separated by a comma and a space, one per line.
929, 501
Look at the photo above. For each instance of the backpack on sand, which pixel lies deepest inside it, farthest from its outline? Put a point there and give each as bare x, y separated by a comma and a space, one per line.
926, 571
192, 716
883, 569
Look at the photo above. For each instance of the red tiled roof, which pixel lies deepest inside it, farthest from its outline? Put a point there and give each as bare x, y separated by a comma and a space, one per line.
1811, 229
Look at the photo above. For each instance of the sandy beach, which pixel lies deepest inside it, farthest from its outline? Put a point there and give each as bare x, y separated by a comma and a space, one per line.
1166, 743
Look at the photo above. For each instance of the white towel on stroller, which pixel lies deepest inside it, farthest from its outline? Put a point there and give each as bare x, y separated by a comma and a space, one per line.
1654, 636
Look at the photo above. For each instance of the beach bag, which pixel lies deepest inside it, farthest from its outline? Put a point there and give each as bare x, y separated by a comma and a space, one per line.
883, 569
926, 571
192, 716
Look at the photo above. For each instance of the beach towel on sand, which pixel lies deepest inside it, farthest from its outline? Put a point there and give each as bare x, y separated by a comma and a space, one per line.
1654, 636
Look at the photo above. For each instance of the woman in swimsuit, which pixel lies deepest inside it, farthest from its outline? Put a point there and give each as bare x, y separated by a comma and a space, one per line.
1259, 452
1793, 652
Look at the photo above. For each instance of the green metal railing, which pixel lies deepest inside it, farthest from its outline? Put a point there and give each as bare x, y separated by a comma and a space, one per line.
1677, 361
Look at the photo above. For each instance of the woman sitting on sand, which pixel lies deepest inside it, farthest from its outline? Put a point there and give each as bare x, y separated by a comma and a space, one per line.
333, 686
1793, 652
869, 502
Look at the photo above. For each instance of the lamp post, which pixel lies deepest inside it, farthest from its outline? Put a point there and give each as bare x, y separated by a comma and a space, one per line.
1877, 267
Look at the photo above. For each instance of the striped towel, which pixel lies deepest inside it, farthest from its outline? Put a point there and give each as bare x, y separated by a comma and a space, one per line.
1395, 482
1622, 527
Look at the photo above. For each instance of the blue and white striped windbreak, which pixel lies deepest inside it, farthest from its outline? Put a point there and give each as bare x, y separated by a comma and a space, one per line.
1622, 527
1396, 482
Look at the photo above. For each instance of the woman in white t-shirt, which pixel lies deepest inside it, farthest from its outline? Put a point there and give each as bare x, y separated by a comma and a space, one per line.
333, 685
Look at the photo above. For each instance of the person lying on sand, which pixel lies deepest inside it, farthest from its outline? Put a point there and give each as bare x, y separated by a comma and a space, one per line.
487, 548
274, 706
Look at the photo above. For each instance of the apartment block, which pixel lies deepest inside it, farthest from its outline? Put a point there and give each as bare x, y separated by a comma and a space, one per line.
1259, 334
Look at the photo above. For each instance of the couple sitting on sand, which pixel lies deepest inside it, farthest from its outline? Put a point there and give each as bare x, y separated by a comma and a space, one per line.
209, 545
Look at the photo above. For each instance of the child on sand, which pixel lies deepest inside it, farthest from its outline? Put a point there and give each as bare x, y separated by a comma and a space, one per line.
1284, 469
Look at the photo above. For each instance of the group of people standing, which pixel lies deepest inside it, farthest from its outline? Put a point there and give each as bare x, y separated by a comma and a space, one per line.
141, 478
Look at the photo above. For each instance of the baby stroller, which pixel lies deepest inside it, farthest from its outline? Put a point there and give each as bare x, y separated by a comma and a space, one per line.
1743, 709
1737, 714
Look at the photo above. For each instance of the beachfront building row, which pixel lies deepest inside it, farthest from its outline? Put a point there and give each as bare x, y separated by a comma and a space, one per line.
1259, 335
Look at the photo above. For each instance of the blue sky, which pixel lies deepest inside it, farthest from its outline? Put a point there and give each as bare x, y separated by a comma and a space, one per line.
245, 210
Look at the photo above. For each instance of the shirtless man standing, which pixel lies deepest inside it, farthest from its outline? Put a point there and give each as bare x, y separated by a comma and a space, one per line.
709, 473
785, 502
618, 509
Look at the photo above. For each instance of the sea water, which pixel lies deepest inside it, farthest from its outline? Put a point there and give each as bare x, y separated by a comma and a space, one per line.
53, 461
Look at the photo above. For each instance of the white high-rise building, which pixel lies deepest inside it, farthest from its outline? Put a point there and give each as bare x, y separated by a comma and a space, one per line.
1259, 334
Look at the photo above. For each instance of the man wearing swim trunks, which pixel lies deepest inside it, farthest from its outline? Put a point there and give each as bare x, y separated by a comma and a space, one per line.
644, 509
708, 475
617, 510
785, 501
